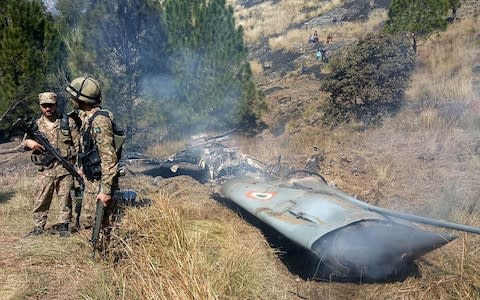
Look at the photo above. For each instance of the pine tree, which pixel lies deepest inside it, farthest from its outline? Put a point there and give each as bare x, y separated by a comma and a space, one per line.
454, 6
30, 50
418, 18
119, 42
214, 86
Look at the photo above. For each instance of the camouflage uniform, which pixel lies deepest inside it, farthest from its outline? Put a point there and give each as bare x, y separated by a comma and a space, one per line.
54, 179
101, 131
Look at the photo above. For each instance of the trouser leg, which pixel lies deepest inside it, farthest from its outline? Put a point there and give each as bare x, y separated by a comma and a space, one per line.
43, 200
64, 184
89, 202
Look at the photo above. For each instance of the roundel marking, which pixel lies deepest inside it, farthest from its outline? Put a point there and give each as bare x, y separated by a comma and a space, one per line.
262, 196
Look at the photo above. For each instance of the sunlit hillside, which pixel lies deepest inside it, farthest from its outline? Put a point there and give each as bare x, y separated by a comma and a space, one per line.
186, 243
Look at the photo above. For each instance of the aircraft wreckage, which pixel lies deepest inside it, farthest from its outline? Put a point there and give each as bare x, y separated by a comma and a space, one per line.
351, 240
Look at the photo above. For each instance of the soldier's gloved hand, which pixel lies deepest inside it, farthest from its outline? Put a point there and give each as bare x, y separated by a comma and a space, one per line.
104, 198
31, 144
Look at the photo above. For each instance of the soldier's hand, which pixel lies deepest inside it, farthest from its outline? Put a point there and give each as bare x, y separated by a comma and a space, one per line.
104, 198
33, 145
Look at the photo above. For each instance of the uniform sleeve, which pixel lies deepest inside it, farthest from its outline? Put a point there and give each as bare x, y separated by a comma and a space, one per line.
75, 132
25, 137
102, 131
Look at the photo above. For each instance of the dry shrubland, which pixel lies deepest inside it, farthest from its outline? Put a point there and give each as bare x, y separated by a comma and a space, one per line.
187, 246
172, 249
179, 256
257, 69
294, 39
268, 19
446, 61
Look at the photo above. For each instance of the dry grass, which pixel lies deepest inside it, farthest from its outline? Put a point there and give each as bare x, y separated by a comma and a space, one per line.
446, 62
182, 247
176, 256
293, 149
166, 149
42, 267
171, 250
298, 38
441, 93
267, 19
257, 69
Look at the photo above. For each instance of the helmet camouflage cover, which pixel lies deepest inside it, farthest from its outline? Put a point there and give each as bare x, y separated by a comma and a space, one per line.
85, 89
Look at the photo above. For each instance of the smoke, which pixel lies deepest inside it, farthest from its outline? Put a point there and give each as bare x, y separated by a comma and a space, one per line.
50, 5
159, 87
198, 92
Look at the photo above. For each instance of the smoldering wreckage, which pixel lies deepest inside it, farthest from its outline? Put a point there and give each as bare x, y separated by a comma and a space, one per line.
348, 239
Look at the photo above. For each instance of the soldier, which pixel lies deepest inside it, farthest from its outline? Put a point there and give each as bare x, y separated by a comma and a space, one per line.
97, 158
315, 37
52, 177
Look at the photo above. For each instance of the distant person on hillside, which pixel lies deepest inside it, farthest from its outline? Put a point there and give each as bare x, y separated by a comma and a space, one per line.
329, 38
315, 37
319, 54
322, 54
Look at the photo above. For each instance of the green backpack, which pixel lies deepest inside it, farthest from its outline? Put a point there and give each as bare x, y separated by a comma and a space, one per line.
118, 135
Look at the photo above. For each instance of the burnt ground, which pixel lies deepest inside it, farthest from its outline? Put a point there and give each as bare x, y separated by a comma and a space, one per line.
279, 63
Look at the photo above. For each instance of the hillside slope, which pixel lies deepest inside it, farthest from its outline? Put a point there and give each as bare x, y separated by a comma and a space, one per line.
425, 160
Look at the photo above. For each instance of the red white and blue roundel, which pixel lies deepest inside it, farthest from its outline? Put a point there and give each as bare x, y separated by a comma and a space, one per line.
262, 196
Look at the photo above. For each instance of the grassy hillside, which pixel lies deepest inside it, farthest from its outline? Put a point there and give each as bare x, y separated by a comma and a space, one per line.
186, 245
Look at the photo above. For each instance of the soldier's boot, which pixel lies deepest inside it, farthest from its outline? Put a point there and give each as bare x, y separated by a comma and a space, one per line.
37, 230
63, 230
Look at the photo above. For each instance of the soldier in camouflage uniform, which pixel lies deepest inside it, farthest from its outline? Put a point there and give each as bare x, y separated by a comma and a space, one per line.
52, 177
98, 159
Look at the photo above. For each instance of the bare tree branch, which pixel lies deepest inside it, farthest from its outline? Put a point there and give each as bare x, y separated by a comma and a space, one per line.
16, 149
10, 158
12, 107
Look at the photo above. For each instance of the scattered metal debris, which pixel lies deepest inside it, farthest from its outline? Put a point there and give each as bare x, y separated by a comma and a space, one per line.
350, 239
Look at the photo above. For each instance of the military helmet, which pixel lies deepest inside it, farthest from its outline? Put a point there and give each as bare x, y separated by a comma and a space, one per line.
85, 89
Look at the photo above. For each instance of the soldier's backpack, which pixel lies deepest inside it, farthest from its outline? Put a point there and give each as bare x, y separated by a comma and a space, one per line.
90, 158
118, 135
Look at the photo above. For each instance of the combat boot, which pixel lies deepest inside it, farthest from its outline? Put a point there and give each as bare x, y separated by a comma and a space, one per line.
37, 230
63, 230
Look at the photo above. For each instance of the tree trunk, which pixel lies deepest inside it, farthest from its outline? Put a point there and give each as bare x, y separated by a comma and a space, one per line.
414, 46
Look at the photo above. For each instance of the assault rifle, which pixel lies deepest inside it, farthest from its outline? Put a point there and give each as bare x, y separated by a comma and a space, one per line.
119, 198
42, 140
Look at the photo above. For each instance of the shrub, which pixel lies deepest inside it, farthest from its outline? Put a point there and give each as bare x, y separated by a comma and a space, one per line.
368, 79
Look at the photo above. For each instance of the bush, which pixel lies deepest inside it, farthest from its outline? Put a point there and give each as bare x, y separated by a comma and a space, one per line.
368, 79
